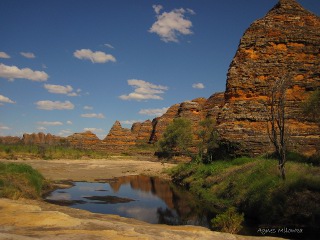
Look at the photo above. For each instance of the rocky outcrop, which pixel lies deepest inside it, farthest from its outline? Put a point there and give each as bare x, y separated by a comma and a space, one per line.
142, 131
160, 123
119, 138
85, 140
283, 44
10, 140
41, 139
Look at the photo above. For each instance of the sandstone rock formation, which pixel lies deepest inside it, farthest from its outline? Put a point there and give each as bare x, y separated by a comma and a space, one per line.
10, 140
283, 44
85, 140
142, 131
119, 138
40, 139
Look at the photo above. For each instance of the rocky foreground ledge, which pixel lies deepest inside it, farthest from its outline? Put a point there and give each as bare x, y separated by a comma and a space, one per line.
30, 219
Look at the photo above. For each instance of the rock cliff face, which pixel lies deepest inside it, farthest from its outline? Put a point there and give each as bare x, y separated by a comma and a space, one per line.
119, 138
40, 139
142, 131
85, 140
283, 44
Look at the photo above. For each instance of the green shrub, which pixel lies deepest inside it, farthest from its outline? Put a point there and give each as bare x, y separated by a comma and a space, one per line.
254, 187
230, 221
20, 180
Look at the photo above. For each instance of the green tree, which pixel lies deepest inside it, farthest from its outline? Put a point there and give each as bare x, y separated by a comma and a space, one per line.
312, 105
177, 138
208, 137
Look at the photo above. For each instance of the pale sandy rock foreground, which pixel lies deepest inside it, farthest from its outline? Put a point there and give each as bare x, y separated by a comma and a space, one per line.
28, 219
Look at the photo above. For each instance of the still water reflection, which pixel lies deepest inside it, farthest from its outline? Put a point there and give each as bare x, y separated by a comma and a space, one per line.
144, 198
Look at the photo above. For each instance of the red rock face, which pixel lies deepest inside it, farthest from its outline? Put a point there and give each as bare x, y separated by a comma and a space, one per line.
142, 131
40, 139
119, 138
85, 140
283, 44
10, 140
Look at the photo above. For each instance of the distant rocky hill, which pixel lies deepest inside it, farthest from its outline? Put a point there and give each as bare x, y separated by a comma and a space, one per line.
283, 44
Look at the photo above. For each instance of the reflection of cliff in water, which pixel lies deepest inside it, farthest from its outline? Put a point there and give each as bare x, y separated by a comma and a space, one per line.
181, 207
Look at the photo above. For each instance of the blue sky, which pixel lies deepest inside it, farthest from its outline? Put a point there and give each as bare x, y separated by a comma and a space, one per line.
74, 65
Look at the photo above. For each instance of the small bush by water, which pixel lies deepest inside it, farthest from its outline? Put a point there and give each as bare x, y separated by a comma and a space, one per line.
20, 181
230, 221
254, 187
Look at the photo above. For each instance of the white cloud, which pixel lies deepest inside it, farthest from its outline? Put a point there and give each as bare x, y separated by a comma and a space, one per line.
93, 115
88, 108
94, 130
3, 127
109, 45
12, 72
154, 112
129, 122
45, 123
58, 89
157, 8
28, 54
41, 128
198, 85
5, 99
69, 122
144, 90
54, 105
65, 133
94, 57
4, 55
170, 25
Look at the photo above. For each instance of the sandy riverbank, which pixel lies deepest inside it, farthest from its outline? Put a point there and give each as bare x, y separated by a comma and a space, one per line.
97, 169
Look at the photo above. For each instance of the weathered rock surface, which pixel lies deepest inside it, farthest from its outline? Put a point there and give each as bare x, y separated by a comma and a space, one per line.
85, 140
283, 44
142, 131
40, 139
10, 140
119, 138
27, 219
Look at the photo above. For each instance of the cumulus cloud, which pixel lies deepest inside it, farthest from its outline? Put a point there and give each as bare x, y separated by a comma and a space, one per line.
65, 132
58, 89
54, 105
69, 122
157, 8
88, 108
4, 55
6, 99
28, 54
94, 57
13, 72
198, 85
170, 25
154, 112
129, 122
94, 130
45, 123
42, 128
3, 127
144, 90
92, 115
